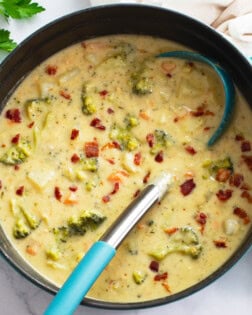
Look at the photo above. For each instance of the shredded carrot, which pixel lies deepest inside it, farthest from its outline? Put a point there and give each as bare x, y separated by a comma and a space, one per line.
32, 249
189, 174
117, 176
144, 115
109, 145
171, 230
166, 286
140, 226
71, 199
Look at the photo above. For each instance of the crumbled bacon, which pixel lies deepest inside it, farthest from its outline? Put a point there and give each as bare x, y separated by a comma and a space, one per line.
20, 191
91, 149
74, 134
15, 139
201, 218
111, 161
220, 243
159, 157
207, 128
166, 286
239, 138
106, 199
1, 184
187, 187
110, 111
224, 195
138, 158
150, 139
242, 214
16, 167
223, 175
248, 160
31, 124
236, 180
65, 94
14, 115
146, 178
103, 93
162, 276
57, 193
190, 150
154, 266
245, 146
200, 111
136, 194
75, 158
51, 70
245, 194
116, 188
96, 123
73, 188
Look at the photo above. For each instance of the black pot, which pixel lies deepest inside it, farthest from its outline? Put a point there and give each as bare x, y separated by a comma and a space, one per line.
122, 19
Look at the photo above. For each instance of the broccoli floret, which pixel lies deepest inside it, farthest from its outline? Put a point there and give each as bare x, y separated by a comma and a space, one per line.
53, 253
214, 166
162, 141
89, 164
123, 49
79, 225
21, 229
124, 137
31, 219
142, 86
139, 276
17, 154
184, 241
131, 121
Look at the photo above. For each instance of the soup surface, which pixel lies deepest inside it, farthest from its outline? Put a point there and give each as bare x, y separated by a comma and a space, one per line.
88, 129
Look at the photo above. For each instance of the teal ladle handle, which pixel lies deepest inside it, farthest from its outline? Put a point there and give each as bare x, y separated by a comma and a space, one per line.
227, 83
80, 281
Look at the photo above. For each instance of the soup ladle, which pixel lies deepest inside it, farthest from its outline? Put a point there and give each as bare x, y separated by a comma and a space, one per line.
102, 251
226, 81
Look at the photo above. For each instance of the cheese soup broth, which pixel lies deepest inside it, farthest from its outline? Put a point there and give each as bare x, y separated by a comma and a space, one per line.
82, 135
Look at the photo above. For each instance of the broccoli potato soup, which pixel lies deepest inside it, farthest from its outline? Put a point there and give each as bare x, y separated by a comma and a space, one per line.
90, 127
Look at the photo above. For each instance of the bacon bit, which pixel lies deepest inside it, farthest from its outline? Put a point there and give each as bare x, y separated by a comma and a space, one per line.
162, 276
31, 250
96, 123
166, 286
83, 44
51, 70
242, 214
15, 139
13, 115
91, 149
239, 138
57, 193
187, 187
3, 145
106, 199
236, 180
223, 175
209, 113
220, 244
201, 218
103, 93
144, 115
154, 266
207, 128
176, 119
111, 161
245, 146
116, 188
138, 158
1, 184
73, 188
74, 134
65, 94
20, 191
200, 111
150, 139
75, 158
71, 199
159, 157
110, 111
31, 124
248, 160
224, 195
190, 150
146, 178
246, 194
136, 194
117, 176
111, 145
171, 230
169, 75
16, 167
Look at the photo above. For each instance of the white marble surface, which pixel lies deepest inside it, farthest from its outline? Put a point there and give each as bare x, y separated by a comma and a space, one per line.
229, 295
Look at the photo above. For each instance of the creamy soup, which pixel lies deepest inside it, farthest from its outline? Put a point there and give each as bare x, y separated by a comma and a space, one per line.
88, 129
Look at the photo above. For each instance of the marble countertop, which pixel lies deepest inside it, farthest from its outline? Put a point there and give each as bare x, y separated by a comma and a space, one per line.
231, 294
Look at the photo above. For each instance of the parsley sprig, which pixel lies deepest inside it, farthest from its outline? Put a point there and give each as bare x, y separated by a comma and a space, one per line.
15, 9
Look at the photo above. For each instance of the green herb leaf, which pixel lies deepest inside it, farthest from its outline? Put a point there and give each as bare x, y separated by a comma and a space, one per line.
19, 9
6, 43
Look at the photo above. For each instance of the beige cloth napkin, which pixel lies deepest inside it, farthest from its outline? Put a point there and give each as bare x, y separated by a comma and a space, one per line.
233, 18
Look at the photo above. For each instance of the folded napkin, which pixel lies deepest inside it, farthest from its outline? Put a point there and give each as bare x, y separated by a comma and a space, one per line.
233, 18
